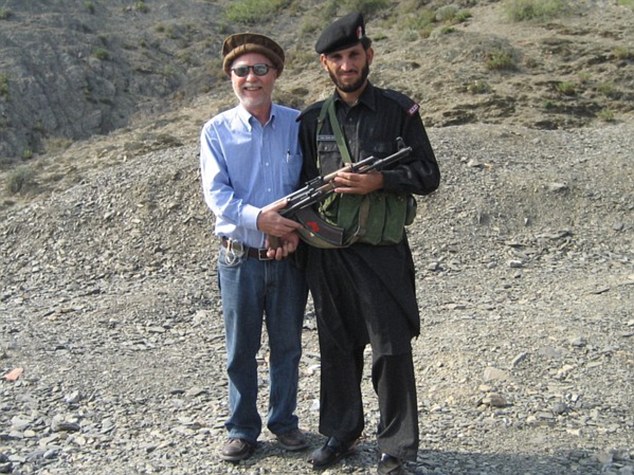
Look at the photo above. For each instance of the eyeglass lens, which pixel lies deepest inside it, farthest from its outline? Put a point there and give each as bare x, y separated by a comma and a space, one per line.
258, 69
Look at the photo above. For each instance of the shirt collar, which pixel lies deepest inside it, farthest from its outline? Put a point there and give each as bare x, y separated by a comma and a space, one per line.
367, 97
247, 119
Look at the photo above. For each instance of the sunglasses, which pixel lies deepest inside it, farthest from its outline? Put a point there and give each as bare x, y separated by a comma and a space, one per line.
260, 69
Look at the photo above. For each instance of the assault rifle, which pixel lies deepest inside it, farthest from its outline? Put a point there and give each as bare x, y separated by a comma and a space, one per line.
299, 203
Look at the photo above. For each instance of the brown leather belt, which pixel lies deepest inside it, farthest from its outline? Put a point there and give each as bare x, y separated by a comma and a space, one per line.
238, 247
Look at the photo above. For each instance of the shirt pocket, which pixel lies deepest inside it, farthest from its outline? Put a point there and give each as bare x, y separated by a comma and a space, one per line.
291, 171
329, 157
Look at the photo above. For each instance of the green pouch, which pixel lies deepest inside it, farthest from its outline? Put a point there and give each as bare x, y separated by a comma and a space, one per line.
394, 218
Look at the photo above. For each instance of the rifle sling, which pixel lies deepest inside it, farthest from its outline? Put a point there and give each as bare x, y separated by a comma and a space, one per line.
364, 209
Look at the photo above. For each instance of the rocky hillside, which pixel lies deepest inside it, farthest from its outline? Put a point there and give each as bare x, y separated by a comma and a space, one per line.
73, 69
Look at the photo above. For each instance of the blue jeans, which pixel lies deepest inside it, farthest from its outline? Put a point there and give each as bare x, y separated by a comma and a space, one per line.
254, 291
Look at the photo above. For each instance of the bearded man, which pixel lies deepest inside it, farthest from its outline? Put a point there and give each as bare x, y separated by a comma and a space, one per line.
364, 291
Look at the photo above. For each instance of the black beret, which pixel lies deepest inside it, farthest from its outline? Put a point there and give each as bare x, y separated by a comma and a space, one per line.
345, 32
242, 43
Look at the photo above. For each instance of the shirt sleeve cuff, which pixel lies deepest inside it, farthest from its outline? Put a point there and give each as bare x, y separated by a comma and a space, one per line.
250, 217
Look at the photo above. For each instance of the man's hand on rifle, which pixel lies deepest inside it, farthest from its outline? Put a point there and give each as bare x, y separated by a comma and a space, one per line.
285, 245
281, 236
358, 183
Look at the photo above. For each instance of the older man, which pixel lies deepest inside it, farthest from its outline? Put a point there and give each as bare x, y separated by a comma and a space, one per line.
249, 158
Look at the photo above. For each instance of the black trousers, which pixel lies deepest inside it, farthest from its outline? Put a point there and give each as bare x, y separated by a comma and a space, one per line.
341, 410
354, 307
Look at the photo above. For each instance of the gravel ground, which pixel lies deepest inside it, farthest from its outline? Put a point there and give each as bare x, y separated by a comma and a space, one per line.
109, 309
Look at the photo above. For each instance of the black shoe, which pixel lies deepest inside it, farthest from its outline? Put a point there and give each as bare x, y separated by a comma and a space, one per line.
332, 451
389, 465
235, 450
293, 440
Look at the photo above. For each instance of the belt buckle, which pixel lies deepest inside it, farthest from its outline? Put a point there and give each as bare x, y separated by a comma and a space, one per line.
262, 255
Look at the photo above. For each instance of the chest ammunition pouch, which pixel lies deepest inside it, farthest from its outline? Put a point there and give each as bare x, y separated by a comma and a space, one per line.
378, 218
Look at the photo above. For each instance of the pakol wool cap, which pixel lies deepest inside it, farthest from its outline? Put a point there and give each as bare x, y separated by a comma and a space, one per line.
345, 32
242, 43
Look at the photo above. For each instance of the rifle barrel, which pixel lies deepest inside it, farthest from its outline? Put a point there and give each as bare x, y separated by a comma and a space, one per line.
318, 188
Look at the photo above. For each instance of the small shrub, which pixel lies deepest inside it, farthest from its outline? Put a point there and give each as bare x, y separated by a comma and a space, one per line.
4, 85
5, 14
526, 10
606, 115
609, 89
101, 54
20, 179
478, 87
462, 16
253, 11
623, 53
423, 23
500, 61
410, 36
584, 76
334, 8
170, 32
367, 7
446, 13
627, 3
451, 14
566, 88
90, 6
606, 88
329, 11
141, 7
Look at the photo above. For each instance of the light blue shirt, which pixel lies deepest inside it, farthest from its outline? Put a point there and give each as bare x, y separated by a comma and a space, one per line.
246, 165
